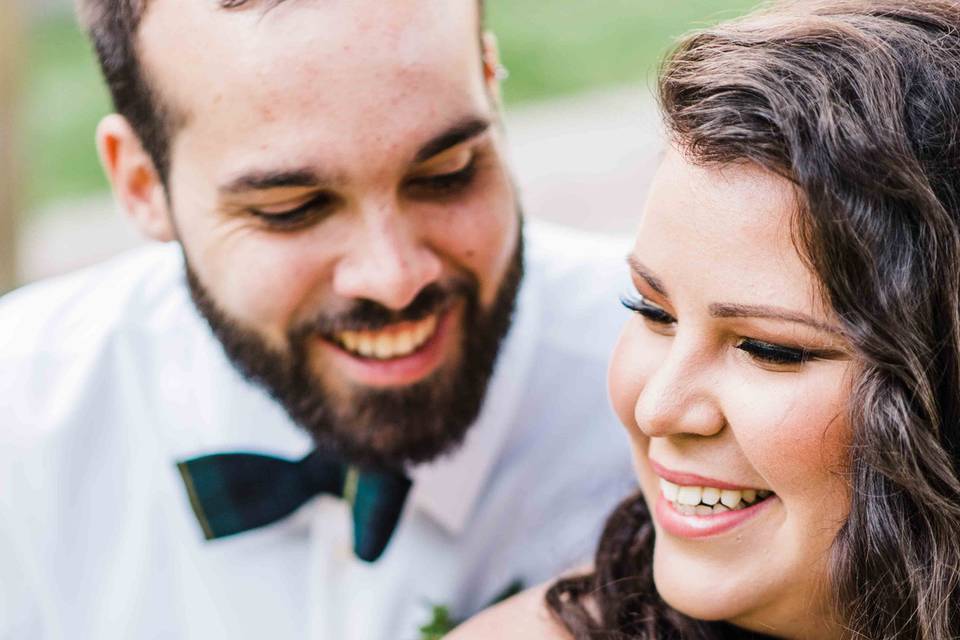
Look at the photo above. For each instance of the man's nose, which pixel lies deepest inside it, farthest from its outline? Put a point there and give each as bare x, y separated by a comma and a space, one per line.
387, 261
680, 396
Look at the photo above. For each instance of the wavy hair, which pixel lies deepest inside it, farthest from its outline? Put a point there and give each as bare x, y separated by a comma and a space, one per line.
857, 103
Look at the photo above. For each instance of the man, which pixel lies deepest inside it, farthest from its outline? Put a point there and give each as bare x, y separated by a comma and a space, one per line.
343, 256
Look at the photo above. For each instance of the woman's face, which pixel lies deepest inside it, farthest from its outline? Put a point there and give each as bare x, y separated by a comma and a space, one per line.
732, 379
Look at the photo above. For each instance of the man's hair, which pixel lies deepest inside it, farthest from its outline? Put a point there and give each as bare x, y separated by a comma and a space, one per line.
857, 104
112, 26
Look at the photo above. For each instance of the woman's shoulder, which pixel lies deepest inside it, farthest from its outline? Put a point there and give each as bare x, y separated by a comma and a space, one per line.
523, 616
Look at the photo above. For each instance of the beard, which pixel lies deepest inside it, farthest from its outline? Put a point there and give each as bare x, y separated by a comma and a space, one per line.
378, 428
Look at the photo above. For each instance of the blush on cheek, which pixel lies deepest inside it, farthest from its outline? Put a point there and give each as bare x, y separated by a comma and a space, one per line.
796, 438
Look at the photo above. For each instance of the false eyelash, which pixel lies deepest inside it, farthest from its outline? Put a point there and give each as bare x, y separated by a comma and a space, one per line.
638, 304
774, 353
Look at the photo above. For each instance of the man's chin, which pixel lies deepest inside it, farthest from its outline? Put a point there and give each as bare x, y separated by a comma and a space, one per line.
387, 427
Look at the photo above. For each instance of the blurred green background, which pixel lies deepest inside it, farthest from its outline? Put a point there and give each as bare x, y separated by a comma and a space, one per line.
551, 47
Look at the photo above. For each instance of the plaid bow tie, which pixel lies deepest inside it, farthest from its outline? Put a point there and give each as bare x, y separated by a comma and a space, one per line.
234, 492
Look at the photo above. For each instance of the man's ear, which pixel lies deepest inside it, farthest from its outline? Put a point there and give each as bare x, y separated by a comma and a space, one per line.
493, 72
134, 178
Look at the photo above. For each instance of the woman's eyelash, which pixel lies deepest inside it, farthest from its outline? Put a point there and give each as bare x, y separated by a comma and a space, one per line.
640, 305
774, 353
764, 352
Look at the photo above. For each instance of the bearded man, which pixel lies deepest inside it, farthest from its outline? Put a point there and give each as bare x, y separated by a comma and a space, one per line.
346, 384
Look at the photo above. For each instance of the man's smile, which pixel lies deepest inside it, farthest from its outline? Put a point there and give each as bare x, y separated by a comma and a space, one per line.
398, 354
393, 341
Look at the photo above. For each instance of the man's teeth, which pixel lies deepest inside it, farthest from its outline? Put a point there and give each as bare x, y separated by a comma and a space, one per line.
704, 501
391, 342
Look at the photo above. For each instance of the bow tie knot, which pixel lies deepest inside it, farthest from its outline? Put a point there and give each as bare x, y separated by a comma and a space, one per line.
235, 492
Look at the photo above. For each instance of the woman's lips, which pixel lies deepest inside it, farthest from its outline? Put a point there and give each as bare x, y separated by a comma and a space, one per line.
702, 526
691, 479
693, 506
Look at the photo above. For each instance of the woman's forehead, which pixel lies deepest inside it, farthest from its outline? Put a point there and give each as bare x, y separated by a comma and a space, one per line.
724, 230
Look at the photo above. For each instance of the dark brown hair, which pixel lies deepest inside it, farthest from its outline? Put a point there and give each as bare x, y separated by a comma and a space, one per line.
857, 103
112, 26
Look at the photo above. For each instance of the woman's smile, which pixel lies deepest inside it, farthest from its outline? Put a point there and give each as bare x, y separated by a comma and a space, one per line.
693, 506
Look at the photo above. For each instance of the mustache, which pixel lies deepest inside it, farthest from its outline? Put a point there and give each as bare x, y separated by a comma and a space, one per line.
369, 315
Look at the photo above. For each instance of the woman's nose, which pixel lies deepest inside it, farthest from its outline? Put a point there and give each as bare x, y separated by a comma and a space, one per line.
679, 397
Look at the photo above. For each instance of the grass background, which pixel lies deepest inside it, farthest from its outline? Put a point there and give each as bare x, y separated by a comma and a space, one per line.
551, 47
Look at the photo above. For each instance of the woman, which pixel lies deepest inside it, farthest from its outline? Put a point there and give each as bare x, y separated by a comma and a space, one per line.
791, 377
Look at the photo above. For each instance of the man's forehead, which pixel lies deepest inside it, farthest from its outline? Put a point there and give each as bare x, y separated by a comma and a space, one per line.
315, 83
195, 48
326, 24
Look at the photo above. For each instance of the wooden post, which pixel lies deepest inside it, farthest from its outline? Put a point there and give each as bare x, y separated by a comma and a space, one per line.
11, 42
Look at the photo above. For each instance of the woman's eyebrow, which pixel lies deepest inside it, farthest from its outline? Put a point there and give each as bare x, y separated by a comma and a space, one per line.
642, 272
730, 310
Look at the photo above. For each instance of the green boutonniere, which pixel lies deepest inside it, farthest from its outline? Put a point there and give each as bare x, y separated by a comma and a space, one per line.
441, 623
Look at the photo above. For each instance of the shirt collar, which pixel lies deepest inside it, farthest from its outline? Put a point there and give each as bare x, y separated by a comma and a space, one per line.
448, 488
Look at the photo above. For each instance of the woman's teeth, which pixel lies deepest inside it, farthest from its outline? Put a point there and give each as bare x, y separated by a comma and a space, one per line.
393, 342
704, 501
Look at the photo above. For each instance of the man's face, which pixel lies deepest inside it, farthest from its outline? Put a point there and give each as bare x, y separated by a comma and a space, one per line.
339, 191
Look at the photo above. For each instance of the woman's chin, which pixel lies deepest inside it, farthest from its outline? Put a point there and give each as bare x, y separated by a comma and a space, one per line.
705, 593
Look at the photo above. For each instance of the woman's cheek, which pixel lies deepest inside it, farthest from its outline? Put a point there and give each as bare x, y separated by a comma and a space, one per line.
625, 375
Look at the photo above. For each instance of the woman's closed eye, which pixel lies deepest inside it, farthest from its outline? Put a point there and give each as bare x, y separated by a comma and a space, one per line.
764, 353
649, 311
768, 353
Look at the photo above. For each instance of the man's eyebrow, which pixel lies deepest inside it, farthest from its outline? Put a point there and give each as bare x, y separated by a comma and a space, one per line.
305, 178
642, 272
729, 310
457, 134
262, 180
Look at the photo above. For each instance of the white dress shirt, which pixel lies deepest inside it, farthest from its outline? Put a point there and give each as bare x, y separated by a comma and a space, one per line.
109, 376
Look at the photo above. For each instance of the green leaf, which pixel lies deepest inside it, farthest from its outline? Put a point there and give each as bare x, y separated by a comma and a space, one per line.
440, 624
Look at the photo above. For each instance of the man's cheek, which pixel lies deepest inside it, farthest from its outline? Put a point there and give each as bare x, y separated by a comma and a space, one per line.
266, 299
492, 261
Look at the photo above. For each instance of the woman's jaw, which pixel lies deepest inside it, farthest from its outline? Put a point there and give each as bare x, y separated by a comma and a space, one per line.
726, 565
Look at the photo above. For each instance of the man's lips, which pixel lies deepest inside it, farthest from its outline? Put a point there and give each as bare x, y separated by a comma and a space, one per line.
393, 341
396, 355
